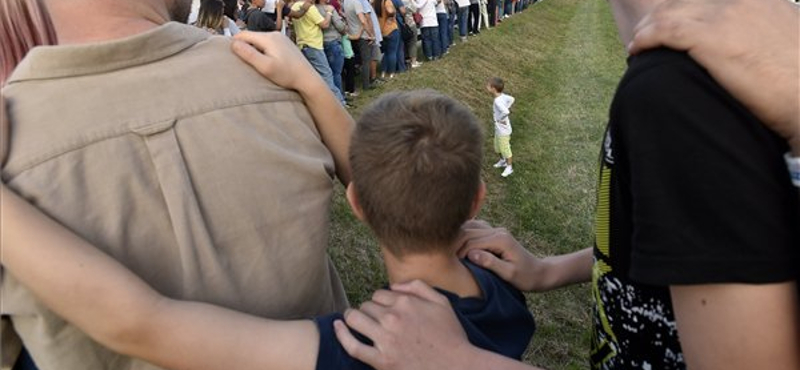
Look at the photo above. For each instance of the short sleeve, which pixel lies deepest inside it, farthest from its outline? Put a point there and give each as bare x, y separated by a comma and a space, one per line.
359, 9
711, 202
314, 15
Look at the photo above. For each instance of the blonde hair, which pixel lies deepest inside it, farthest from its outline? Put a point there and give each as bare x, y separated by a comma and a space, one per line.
24, 24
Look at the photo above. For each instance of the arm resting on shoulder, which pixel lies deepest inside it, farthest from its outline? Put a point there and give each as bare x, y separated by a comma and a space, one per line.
103, 298
413, 327
497, 250
277, 59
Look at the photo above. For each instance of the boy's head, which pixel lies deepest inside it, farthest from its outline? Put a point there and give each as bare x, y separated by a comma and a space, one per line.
495, 85
416, 162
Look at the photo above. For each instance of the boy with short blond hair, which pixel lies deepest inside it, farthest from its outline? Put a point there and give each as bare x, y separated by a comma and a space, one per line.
502, 124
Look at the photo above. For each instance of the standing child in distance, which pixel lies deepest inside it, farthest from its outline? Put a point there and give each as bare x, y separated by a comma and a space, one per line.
502, 124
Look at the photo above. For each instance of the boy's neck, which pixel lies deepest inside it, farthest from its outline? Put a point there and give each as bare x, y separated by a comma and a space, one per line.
441, 270
496, 93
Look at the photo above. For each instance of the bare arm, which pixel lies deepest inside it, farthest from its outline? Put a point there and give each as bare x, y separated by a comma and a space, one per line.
366, 25
116, 308
738, 326
413, 327
275, 57
302, 11
495, 249
279, 15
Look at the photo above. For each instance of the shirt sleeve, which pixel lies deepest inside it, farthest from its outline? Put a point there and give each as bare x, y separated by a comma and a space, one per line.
339, 23
314, 15
711, 202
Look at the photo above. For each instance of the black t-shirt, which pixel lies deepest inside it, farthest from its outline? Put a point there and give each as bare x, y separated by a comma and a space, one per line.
693, 190
257, 20
499, 322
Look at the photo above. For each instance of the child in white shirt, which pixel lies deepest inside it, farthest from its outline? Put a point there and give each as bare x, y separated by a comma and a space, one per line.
502, 124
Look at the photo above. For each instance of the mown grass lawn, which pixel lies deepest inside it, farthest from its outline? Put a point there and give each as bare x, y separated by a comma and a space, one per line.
561, 59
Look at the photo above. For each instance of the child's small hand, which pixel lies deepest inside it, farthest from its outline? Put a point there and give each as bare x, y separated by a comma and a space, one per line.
274, 56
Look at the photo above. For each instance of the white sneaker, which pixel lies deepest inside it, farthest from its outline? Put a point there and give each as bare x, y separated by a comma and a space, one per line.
500, 163
416, 64
509, 170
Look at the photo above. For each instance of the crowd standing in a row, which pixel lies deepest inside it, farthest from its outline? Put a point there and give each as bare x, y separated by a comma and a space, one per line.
380, 36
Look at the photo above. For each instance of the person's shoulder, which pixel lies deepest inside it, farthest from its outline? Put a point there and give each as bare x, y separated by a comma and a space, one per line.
661, 68
670, 84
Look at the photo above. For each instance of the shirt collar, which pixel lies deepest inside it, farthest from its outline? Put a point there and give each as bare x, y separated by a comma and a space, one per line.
47, 62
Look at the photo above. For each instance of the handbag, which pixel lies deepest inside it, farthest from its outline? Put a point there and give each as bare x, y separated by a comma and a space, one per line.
417, 18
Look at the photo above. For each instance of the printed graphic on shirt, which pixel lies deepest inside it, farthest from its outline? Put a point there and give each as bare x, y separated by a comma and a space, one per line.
634, 324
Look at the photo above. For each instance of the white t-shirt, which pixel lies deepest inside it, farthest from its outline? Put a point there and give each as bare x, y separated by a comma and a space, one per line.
269, 6
462, 3
501, 110
427, 8
441, 8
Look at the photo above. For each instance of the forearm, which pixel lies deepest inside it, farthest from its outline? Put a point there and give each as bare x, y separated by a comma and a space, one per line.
474, 358
102, 298
713, 334
564, 270
366, 25
71, 277
333, 122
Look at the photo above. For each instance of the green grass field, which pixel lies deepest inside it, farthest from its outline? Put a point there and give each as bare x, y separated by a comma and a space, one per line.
561, 61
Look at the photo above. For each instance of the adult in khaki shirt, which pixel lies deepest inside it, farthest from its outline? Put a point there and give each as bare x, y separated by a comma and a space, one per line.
157, 144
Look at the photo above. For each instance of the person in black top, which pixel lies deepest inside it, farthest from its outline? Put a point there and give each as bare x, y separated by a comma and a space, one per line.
256, 20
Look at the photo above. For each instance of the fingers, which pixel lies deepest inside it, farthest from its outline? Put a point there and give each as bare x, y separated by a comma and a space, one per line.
671, 25
495, 240
363, 323
489, 261
252, 38
385, 297
354, 347
251, 56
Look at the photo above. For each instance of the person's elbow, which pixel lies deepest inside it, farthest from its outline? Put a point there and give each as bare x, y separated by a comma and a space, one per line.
132, 331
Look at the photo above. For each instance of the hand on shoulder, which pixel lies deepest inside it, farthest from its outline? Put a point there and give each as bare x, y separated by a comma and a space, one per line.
750, 47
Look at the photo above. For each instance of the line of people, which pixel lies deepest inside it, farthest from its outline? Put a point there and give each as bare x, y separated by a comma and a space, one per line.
338, 36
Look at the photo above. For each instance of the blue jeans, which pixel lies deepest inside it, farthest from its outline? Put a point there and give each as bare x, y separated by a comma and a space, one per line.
335, 55
451, 18
392, 46
318, 60
430, 42
444, 41
462, 20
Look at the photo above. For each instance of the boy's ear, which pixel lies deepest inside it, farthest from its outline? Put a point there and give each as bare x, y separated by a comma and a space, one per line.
477, 203
352, 199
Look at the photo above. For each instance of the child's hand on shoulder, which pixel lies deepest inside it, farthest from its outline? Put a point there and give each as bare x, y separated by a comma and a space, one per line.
278, 59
